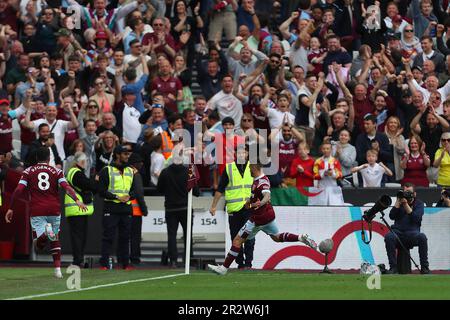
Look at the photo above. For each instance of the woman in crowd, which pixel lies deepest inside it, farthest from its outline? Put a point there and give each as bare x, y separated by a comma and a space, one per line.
415, 163
103, 99
394, 132
104, 148
91, 111
185, 76
442, 161
345, 152
76, 146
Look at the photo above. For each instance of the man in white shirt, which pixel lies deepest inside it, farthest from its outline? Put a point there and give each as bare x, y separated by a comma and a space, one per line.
57, 127
226, 103
130, 117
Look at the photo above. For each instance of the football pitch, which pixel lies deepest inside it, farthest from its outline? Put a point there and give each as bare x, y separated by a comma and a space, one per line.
39, 283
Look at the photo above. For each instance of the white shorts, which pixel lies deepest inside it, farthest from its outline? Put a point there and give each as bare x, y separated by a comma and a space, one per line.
38, 224
249, 228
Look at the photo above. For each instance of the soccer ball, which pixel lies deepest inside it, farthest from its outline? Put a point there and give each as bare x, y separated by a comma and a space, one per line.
326, 246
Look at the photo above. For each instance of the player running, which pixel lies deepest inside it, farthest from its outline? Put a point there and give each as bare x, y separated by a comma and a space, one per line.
42, 181
262, 219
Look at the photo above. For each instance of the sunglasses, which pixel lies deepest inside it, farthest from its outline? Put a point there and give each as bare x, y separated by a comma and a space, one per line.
247, 120
92, 106
158, 24
409, 30
445, 140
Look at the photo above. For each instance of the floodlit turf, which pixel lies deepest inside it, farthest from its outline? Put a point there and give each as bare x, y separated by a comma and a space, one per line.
237, 285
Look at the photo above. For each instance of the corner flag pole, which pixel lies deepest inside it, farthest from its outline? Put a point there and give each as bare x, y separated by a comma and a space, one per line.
188, 234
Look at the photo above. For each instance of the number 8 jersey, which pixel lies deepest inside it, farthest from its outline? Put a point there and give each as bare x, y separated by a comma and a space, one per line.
41, 181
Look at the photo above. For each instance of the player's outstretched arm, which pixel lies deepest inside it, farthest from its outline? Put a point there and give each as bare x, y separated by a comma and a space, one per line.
71, 193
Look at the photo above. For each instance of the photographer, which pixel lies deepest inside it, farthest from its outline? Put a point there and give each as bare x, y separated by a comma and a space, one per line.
407, 214
444, 202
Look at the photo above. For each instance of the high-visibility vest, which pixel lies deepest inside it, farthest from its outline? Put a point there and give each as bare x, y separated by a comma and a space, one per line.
71, 209
167, 145
120, 184
239, 188
137, 212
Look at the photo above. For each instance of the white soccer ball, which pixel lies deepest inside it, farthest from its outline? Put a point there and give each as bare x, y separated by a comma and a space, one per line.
326, 245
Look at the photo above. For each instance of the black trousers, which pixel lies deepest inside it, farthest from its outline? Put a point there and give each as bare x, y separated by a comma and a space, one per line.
111, 222
236, 221
409, 240
136, 237
78, 227
173, 219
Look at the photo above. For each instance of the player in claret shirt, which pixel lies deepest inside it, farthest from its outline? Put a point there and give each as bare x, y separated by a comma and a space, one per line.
262, 219
41, 181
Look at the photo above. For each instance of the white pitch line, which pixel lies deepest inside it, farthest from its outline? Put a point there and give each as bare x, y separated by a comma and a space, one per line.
96, 287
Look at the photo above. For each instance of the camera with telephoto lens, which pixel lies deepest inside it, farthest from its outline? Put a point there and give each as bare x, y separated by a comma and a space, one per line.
408, 195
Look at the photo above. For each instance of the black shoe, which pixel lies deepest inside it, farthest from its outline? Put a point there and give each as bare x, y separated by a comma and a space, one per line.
425, 270
241, 266
392, 271
135, 261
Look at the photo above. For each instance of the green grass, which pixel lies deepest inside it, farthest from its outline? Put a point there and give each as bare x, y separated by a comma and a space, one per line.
237, 285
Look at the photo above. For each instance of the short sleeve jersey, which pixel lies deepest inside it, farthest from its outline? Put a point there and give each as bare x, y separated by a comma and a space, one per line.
42, 182
265, 214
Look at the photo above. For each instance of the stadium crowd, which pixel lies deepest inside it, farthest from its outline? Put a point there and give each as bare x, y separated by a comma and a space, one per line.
342, 86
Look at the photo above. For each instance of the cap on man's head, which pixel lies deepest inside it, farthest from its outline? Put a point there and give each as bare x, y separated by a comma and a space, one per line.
120, 149
370, 117
101, 35
417, 68
127, 90
63, 32
227, 120
393, 37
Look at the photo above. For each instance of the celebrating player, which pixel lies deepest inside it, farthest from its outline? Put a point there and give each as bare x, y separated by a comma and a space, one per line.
262, 219
42, 181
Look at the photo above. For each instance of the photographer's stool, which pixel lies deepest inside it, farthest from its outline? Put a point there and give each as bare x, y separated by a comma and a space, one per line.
403, 261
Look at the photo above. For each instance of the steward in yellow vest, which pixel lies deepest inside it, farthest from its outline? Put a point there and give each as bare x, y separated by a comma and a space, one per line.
236, 183
76, 218
116, 187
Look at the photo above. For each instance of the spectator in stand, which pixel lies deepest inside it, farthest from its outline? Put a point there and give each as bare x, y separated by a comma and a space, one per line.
6, 130
226, 102
76, 146
157, 159
344, 152
182, 23
422, 14
92, 111
170, 86
430, 131
133, 85
44, 136
393, 131
87, 134
372, 172
185, 76
415, 163
327, 171
108, 123
103, 99
442, 161
222, 20
302, 167
130, 117
58, 127
371, 139
104, 147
